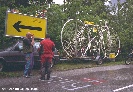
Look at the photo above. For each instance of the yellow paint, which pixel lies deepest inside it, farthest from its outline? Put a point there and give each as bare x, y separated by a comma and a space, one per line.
89, 23
112, 55
27, 21
94, 29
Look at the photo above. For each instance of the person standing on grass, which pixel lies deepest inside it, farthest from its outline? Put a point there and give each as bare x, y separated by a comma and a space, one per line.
28, 43
47, 47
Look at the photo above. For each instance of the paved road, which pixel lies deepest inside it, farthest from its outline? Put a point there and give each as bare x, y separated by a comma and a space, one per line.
99, 79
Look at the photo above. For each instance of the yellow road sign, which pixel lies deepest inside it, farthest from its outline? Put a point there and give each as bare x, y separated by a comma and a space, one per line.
19, 25
112, 55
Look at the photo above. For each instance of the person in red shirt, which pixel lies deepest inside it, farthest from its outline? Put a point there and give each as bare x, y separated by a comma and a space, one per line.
47, 47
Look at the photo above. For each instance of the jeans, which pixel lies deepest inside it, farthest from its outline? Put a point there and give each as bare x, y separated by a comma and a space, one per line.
29, 63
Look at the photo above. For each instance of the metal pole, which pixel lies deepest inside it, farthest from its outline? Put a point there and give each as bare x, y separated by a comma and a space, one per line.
64, 4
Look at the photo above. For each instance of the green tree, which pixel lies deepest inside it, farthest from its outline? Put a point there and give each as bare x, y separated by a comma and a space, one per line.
55, 20
122, 23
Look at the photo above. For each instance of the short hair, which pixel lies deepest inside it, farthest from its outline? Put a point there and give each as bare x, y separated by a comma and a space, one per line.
47, 36
28, 33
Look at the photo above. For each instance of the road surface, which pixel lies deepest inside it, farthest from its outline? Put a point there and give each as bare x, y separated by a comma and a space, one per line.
98, 79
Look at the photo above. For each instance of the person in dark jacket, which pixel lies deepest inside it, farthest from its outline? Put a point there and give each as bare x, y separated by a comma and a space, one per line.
28, 43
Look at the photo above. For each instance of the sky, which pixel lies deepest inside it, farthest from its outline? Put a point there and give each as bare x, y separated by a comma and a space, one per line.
58, 1
115, 1
61, 1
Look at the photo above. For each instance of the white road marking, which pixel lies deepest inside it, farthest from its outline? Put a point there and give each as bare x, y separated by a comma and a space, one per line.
53, 76
75, 87
119, 89
71, 84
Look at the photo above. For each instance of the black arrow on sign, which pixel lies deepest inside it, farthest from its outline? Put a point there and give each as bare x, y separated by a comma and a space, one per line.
17, 26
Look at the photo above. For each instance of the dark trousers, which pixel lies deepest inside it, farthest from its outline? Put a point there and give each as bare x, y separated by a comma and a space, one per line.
46, 69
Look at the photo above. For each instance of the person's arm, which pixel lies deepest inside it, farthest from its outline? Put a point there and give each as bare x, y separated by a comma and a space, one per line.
53, 48
32, 41
40, 50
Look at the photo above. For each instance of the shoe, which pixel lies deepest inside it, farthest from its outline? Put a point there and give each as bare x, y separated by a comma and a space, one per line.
26, 76
48, 78
42, 79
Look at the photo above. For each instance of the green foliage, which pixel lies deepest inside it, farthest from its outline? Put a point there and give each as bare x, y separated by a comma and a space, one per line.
9, 74
55, 22
2, 25
122, 23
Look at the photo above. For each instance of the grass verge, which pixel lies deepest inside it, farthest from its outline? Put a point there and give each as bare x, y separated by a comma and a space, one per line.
63, 66
71, 65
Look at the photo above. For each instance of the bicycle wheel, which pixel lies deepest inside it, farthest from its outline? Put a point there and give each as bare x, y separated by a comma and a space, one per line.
109, 41
128, 61
72, 37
